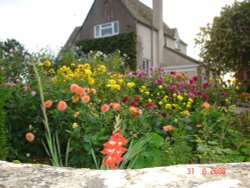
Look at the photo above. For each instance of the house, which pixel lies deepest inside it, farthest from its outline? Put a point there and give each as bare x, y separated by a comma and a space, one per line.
157, 44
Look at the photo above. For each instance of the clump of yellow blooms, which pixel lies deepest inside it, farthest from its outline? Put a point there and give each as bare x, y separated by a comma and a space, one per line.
131, 84
113, 84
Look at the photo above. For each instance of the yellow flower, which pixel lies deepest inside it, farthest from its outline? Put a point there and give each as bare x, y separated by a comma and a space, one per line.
88, 72
237, 87
160, 103
51, 71
121, 81
147, 93
143, 87
74, 125
86, 66
91, 81
80, 67
149, 100
174, 95
190, 100
168, 106
54, 80
47, 63
160, 86
112, 81
131, 84
180, 98
40, 65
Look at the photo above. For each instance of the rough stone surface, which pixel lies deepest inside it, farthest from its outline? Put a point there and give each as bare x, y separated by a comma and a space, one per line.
43, 176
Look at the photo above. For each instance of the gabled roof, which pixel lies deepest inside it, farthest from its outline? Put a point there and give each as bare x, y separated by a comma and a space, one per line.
144, 14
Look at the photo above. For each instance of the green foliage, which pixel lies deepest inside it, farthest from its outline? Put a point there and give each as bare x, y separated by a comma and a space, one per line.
125, 43
225, 45
3, 136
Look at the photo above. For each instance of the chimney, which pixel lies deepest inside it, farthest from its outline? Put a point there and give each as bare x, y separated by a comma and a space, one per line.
158, 25
157, 14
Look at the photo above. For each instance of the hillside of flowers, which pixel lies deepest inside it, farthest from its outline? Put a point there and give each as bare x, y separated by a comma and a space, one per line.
92, 112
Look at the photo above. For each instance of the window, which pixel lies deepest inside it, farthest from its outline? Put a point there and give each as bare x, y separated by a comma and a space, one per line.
177, 44
146, 64
106, 29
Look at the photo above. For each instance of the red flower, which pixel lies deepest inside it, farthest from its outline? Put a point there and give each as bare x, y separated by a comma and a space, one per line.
137, 98
125, 99
114, 150
133, 103
150, 105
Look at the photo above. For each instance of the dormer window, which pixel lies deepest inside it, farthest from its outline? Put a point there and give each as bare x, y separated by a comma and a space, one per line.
177, 43
106, 29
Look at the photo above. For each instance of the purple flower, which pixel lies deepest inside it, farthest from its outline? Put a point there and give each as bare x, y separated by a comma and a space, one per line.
151, 69
191, 95
205, 96
206, 85
195, 78
199, 93
141, 73
162, 70
174, 87
191, 81
182, 83
159, 80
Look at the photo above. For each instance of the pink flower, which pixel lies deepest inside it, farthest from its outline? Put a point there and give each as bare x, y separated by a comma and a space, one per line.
33, 93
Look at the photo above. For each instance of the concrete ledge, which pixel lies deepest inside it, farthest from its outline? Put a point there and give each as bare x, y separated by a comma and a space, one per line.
237, 175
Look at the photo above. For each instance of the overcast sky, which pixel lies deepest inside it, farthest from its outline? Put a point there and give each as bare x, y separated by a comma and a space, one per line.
48, 23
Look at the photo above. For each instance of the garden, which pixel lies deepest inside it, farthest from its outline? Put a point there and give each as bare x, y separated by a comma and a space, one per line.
92, 112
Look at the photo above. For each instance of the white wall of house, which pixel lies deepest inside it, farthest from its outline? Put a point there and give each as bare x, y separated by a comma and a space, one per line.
146, 49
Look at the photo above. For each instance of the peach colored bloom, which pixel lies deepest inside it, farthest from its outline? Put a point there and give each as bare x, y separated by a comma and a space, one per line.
135, 111
167, 128
75, 98
80, 91
76, 114
62, 106
206, 105
199, 125
30, 137
85, 99
105, 108
47, 104
186, 113
74, 88
116, 106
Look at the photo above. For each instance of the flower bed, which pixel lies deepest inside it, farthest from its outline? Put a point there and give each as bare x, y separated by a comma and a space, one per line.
161, 119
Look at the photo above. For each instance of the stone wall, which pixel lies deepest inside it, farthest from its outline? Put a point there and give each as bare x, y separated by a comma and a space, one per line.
233, 175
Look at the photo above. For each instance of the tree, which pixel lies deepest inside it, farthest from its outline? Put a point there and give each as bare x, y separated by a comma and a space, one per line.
13, 62
225, 44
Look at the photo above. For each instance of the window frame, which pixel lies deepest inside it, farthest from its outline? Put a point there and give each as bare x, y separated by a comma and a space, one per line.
100, 28
146, 64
